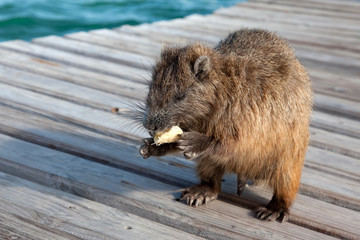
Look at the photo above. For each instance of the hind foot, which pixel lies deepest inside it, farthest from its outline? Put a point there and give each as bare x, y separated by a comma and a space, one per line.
198, 195
264, 213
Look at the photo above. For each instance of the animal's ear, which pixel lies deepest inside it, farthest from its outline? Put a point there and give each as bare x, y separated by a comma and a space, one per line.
202, 66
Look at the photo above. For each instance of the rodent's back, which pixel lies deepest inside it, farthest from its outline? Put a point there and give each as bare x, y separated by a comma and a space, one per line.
255, 43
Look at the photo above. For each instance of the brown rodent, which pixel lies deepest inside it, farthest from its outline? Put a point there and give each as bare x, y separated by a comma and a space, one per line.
244, 107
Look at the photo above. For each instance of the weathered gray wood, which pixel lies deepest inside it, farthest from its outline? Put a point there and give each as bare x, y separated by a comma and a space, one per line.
73, 173
73, 93
169, 36
15, 227
70, 74
116, 40
346, 25
333, 163
77, 60
337, 6
74, 216
335, 142
338, 105
70, 112
337, 124
295, 8
214, 37
94, 51
221, 25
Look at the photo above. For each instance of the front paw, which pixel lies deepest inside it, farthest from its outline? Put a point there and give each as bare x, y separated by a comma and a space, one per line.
145, 150
192, 144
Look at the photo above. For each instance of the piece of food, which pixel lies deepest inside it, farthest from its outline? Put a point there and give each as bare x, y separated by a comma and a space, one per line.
168, 136
115, 110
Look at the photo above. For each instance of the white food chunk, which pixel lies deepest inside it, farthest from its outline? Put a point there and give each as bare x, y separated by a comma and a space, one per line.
168, 136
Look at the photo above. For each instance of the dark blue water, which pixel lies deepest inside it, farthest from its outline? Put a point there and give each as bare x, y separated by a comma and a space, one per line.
27, 19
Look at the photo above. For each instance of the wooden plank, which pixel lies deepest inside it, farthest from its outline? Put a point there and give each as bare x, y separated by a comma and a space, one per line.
69, 112
166, 33
171, 170
76, 60
71, 92
74, 216
299, 9
168, 36
70, 74
334, 56
300, 35
336, 85
15, 227
336, 105
337, 6
94, 51
113, 39
104, 183
337, 124
334, 142
346, 25
332, 163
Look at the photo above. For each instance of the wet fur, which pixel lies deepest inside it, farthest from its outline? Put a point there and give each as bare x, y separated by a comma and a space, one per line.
244, 106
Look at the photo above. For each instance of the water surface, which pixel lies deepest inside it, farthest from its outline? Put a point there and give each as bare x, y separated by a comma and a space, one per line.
27, 19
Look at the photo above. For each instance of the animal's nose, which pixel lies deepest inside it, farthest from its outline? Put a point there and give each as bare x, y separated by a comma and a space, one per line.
153, 128
152, 133
149, 125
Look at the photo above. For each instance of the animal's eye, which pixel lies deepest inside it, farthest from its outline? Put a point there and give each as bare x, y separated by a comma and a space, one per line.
180, 97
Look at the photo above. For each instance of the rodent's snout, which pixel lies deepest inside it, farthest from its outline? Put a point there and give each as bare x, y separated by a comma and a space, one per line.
152, 133
150, 125
156, 122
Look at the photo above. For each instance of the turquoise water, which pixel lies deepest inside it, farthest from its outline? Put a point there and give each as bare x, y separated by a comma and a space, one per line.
27, 19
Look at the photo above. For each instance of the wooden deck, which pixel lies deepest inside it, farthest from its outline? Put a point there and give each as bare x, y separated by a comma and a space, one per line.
70, 168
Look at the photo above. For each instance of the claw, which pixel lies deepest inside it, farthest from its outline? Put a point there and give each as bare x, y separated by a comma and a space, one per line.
198, 195
271, 215
207, 200
190, 155
284, 217
190, 203
181, 148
